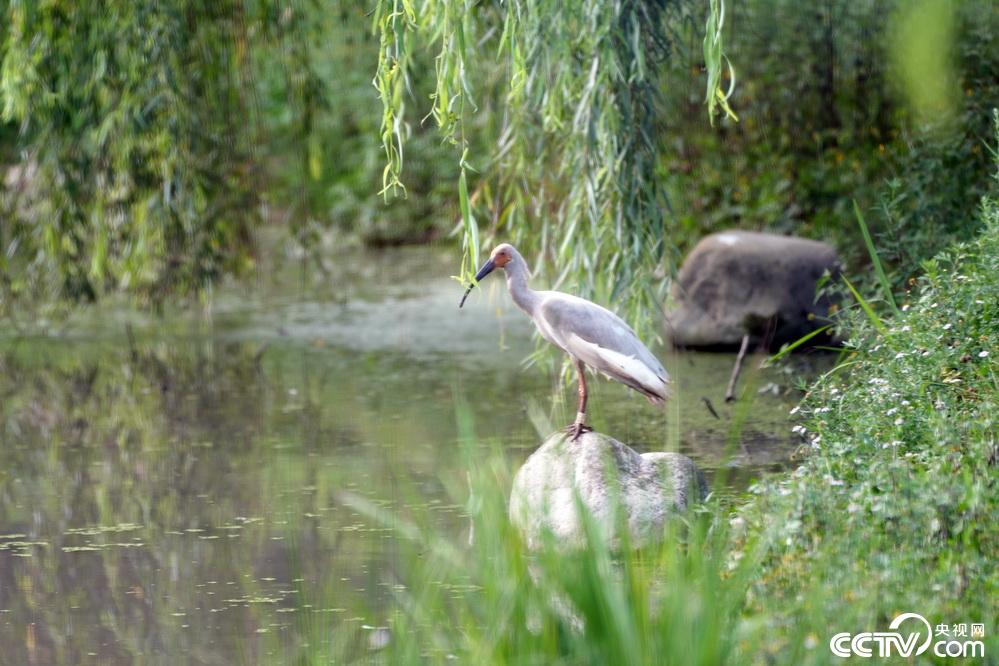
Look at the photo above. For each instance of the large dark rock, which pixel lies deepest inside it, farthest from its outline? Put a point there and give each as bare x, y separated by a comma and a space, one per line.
739, 282
602, 474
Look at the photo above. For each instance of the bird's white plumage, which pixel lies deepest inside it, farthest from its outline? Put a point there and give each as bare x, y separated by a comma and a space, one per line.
600, 339
604, 359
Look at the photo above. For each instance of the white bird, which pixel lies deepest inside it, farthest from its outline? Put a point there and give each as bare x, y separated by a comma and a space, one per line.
592, 335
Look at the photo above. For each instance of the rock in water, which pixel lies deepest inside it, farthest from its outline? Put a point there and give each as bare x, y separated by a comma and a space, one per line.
605, 473
739, 282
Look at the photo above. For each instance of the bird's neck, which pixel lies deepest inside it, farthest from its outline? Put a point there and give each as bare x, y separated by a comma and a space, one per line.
516, 281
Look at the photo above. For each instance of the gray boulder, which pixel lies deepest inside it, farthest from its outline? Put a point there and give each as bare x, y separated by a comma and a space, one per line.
649, 488
744, 282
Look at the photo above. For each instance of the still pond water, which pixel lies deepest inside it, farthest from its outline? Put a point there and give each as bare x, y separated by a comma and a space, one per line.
171, 488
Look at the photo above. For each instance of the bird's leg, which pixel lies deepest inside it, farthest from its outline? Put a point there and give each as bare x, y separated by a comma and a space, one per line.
579, 426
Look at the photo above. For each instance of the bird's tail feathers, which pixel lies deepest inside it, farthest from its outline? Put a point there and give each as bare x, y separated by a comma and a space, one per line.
657, 395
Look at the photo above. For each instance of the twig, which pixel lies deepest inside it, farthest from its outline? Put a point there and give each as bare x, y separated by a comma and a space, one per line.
730, 391
132, 348
711, 408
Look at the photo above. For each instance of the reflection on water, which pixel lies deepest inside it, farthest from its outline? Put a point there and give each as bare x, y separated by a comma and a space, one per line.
177, 494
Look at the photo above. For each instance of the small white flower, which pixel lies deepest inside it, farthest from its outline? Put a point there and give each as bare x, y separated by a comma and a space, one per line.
905, 307
899, 421
899, 355
906, 328
947, 327
982, 354
798, 430
891, 411
795, 410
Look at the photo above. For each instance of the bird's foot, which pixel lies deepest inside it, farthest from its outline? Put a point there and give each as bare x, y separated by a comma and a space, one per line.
576, 429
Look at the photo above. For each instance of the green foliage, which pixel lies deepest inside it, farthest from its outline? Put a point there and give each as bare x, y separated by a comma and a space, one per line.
593, 154
146, 167
826, 119
713, 56
135, 171
570, 95
577, 132
895, 500
317, 122
922, 57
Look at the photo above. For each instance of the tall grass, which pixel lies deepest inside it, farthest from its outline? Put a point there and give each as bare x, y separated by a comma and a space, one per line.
494, 601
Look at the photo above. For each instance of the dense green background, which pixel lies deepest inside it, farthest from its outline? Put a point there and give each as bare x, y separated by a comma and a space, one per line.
146, 146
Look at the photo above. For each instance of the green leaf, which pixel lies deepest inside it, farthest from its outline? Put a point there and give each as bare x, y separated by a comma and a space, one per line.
787, 349
878, 269
875, 320
468, 221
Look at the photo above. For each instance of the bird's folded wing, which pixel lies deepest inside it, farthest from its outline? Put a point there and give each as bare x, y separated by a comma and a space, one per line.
629, 370
562, 316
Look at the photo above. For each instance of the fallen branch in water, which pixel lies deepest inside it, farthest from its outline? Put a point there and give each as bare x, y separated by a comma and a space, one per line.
730, 391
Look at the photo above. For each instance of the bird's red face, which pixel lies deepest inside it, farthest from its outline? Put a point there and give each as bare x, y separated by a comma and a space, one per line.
501, 256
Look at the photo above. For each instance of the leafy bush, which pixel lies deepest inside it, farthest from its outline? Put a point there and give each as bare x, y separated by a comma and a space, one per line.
133, 168
318, 121
141, 144
893, 506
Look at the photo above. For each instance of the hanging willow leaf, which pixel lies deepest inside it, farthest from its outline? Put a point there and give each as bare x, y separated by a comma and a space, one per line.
468, 220
131, 116
573, 166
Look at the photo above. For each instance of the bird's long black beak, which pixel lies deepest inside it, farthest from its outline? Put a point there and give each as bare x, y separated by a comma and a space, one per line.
486, 269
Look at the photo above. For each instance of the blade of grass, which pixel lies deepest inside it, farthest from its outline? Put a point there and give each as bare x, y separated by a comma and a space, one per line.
866, 306
787, 349
878, 268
